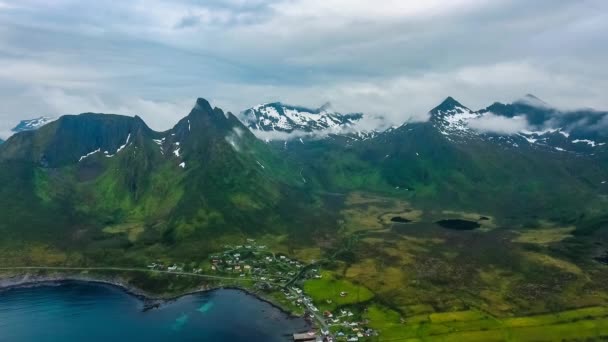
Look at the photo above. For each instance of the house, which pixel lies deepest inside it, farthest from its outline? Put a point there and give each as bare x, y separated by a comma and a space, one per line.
172, 268
343, 294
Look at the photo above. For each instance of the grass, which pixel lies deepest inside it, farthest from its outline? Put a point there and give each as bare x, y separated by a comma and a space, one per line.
132, 230
543, 236
476, 326
411, 281
365, 212
328, 288
547, 260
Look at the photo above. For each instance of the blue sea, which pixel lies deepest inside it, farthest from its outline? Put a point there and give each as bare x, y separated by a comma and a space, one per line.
78, 311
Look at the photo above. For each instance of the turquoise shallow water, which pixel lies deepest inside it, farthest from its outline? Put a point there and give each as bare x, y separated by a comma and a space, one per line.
77, 311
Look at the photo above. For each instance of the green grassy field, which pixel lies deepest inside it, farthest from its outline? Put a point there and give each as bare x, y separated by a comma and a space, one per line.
409, 281
326, 292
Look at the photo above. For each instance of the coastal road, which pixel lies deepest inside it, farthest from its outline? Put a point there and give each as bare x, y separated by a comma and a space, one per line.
127, 269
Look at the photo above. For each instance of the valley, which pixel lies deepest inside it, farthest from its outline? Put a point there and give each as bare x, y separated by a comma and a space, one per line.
381, 279
427, 231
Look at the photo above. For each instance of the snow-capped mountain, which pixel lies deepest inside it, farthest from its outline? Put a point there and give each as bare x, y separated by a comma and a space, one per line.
545, 126
451, 118
279, 117
32, 124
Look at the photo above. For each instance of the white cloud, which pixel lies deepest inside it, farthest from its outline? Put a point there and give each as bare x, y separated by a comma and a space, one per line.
397, 59
492, 123
159, 115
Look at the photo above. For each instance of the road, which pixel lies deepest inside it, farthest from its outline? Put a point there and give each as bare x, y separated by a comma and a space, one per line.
126, 269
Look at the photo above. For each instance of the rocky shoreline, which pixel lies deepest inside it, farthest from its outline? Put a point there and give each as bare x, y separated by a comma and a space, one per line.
150, 301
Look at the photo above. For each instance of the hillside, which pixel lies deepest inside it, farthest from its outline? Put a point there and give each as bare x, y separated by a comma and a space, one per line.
443, 163
86, 174
425, 229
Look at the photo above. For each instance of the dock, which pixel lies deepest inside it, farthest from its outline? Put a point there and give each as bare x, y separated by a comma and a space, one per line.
309, 336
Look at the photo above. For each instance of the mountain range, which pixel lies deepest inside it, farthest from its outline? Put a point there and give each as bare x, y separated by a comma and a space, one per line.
210, 174
286, 118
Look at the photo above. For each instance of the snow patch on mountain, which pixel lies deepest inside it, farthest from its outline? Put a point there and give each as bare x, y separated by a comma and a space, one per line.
125, 144
89, 154
32, 124
279, 117
588, 142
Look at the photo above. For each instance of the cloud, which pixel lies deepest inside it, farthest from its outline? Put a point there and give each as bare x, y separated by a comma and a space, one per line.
55, 102
397, 60
492, 123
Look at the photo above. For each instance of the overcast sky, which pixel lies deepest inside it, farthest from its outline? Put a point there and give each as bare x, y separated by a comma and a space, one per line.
391, 57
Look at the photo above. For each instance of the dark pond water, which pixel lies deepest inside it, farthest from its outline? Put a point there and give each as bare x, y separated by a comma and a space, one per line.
399, 219
458, 224
77, 311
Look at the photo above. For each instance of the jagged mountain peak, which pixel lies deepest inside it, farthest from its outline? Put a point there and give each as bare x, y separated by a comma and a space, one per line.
325, 107
204, 117
531, 100
447, 105
451, 117
69, 138
280, 117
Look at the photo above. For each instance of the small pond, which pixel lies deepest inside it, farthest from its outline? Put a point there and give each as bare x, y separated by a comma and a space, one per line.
399, 219
456, 224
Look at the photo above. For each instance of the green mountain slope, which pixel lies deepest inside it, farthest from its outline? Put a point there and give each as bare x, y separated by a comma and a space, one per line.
83, 176
86, 175
440, 165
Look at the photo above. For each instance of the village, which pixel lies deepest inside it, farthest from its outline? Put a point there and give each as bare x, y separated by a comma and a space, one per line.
274, 272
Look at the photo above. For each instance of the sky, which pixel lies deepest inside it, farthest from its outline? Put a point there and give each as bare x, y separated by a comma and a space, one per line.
393, 58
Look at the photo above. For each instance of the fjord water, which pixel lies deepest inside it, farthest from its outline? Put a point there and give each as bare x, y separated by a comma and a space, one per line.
77, 311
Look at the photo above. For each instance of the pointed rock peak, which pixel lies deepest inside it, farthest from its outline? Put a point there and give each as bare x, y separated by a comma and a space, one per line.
449, 106
450, 102
532, 100
203, 104
326, 107
203, 118
203, 108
